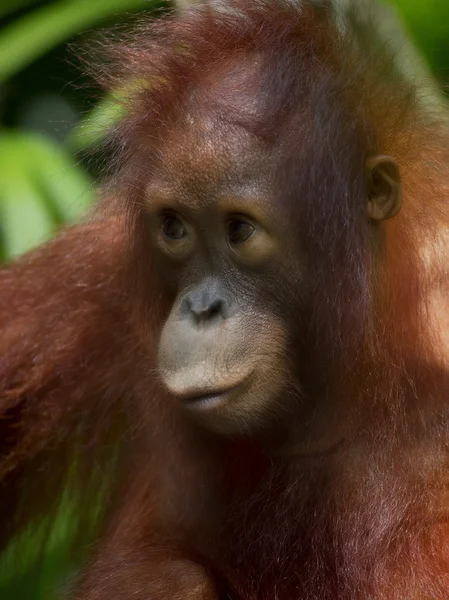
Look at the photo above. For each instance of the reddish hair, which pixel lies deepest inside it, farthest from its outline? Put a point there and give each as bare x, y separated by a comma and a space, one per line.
357, 525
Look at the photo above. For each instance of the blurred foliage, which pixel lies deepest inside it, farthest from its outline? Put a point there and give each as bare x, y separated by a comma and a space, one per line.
427, 22
46, 177
40, 187
42, 182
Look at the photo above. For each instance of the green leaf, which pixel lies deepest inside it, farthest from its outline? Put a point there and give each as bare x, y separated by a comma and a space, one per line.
25, 220
67, 188
94, 128
9, 6
40, 188
33, 35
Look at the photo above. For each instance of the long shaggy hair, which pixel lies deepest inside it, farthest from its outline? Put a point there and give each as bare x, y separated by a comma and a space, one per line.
368, 522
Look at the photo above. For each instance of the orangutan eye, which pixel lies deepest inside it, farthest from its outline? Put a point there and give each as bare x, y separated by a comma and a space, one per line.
239, 231
173, 228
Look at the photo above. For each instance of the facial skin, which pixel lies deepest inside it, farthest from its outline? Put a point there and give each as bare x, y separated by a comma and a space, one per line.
229, 256
224, 348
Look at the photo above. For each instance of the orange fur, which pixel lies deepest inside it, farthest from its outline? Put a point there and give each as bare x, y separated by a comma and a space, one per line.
79, 400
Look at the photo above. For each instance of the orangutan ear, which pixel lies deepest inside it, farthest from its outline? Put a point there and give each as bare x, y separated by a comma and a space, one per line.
384, 188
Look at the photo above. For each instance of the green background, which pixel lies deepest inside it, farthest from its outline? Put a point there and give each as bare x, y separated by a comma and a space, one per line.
50, 119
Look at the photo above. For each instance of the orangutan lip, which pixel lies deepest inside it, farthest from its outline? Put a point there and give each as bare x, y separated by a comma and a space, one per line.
206, 399
209, 399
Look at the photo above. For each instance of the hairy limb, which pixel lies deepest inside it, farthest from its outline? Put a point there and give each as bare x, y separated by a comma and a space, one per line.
65, 363
143, 573
147, 553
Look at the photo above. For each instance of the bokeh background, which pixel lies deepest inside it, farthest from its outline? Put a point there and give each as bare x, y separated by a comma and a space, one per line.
51, 120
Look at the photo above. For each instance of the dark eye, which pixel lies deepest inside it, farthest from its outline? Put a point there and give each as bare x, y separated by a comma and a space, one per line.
239, 231
173, 228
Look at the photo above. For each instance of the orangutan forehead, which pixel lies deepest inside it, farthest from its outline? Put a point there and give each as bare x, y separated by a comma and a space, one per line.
233, 88
221, 122
202, 152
